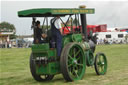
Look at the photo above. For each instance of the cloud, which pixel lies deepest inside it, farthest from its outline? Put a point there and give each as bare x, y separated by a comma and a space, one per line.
106, 12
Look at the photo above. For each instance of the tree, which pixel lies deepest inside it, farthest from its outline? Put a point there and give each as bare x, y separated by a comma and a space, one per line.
7, 27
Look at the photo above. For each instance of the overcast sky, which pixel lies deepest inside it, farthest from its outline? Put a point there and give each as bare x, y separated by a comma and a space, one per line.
112, 13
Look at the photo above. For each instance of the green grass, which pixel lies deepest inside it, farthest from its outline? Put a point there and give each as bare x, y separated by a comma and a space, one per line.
14, 68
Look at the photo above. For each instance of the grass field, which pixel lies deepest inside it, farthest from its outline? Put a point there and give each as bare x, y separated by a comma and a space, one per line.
14, 68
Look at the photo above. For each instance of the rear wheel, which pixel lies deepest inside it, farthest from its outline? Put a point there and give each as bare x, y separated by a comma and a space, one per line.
36, 76
72, 62
100, 64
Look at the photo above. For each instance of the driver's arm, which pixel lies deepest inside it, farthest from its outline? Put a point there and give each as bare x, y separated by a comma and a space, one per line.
61, 31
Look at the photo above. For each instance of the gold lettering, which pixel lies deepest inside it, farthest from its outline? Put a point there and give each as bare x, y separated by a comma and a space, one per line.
54, 10
75, 11
84, 11
63, 11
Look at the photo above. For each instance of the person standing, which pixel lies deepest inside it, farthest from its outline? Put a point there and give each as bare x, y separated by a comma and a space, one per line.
56, 30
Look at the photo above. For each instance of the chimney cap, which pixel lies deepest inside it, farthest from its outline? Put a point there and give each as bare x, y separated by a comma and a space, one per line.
82, 6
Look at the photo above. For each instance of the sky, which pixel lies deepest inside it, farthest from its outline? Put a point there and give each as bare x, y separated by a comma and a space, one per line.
112, 13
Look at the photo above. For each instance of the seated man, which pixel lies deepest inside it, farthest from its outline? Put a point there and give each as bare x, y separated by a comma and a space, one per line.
39, 34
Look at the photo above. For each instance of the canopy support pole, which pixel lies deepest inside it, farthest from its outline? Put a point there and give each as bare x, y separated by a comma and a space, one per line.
34, 29
84, 24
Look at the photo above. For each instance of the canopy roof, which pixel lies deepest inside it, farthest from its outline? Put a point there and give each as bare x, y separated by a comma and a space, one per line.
47, 12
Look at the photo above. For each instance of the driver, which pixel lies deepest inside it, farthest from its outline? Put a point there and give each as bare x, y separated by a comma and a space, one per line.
39, 33
56, 34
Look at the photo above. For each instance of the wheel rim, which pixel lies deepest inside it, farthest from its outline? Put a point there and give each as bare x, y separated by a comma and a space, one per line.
101, 64
76, 62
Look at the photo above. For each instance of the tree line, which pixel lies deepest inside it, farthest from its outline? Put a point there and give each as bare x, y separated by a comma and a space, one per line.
8, 27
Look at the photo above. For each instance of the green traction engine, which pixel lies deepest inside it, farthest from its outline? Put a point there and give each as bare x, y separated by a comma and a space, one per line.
77, 49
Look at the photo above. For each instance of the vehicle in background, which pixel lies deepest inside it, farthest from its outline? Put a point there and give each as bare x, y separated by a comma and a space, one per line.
97, 28
93, 28
111, 37
28, 42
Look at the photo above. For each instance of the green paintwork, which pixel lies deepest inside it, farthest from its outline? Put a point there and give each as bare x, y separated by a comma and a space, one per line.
89, 57
51, 68
76, 62
41, 12
76, 37
43, 50
66, 39
72, 38
38, 48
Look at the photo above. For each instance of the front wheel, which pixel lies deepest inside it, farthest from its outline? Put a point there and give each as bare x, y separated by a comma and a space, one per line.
36, 76
100, 64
